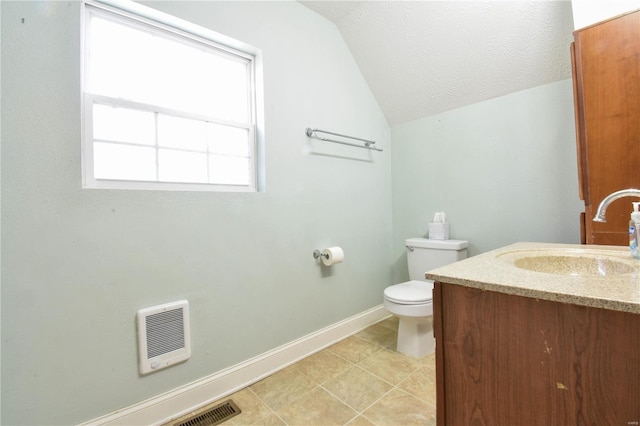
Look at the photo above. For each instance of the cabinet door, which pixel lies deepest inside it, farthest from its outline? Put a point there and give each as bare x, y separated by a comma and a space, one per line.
511, 360
607, 84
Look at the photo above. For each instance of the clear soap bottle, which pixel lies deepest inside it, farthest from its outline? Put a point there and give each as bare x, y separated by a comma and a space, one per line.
634, 231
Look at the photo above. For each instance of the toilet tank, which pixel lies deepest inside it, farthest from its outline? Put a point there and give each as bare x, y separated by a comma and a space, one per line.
424, 254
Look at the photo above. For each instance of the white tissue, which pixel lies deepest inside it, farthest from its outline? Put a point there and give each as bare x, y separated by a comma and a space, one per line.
439, 217
332, 255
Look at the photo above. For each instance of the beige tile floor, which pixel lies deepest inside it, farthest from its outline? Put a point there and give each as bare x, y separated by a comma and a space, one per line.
361, 380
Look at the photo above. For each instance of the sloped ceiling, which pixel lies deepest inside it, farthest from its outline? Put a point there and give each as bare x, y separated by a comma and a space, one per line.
425, 57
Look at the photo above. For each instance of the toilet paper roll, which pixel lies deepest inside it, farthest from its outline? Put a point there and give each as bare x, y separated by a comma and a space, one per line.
332, 255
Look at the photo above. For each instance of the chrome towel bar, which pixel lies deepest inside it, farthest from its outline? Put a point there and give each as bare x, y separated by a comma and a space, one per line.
313, 133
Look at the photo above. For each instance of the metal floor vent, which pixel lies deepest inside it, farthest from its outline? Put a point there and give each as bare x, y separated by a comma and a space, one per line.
216, 415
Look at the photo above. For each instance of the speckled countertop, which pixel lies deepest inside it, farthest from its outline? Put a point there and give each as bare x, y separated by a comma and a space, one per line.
496, 270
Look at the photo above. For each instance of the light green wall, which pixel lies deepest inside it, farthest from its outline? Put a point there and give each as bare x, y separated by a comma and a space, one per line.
77, 264
504, 170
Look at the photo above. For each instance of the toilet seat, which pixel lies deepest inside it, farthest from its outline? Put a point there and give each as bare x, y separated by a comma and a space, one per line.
410, 293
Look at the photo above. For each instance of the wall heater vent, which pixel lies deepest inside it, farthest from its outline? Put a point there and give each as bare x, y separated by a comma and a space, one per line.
163, 336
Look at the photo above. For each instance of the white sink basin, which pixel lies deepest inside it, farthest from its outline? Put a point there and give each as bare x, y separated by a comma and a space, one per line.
575, 262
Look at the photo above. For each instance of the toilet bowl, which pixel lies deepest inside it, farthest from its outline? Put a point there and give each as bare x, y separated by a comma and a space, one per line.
412, 301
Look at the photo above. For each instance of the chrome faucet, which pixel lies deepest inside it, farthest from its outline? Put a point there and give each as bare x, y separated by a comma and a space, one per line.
602, 208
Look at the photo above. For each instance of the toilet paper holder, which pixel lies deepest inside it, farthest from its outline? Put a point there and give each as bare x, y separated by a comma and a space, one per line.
329, 256
317, 253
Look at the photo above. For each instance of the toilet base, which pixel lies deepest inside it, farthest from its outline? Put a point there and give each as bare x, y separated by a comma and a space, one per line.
415, 336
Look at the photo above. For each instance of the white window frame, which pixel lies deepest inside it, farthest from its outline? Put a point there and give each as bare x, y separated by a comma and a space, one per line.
127, 12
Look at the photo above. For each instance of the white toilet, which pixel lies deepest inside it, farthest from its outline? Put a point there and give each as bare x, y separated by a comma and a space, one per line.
412, 301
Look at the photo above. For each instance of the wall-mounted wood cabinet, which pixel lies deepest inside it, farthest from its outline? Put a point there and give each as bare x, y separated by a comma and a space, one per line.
606, 75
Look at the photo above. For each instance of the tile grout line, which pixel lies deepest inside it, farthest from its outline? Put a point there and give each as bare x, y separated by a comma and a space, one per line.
393, 387
376, 347
273, 412
321, 385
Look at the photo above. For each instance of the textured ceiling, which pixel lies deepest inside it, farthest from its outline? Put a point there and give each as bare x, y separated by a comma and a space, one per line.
425, 57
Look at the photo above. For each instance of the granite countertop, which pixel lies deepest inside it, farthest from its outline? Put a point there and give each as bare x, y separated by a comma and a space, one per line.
496, 271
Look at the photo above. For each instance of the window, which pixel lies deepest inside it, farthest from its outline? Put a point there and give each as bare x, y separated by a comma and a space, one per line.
166, 107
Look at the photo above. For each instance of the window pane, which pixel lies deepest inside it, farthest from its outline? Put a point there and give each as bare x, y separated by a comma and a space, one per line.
174, 132
123, 125
124, 162
226, 82
229, 170
181, 166
166, 104
116, 63
228, 140
133, 64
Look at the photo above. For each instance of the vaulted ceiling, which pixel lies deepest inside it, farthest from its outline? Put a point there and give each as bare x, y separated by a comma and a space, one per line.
425, 57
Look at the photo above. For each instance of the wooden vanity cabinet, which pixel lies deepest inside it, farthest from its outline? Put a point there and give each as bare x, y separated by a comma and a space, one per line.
606, 75
513, 360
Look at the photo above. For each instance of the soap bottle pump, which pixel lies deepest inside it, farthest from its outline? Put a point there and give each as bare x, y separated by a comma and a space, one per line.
634, 231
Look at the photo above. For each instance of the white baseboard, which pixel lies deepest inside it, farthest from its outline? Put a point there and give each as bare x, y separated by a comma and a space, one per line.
180, 401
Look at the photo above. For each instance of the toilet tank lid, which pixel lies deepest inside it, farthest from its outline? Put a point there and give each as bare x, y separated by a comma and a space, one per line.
437, 244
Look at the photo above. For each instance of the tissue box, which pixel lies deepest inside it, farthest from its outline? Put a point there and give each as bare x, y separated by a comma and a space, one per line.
438, 231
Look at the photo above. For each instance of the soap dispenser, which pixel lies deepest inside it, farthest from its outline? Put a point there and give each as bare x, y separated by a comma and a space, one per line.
634, 224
